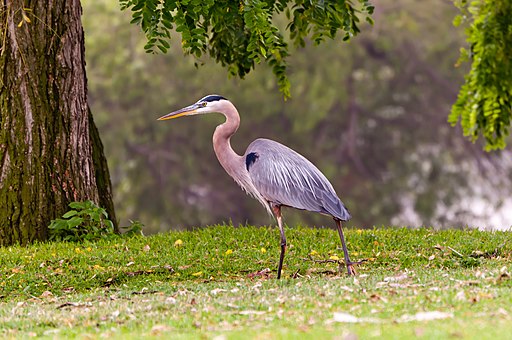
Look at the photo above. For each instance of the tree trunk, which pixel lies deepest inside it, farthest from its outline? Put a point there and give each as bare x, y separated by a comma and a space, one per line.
50, 151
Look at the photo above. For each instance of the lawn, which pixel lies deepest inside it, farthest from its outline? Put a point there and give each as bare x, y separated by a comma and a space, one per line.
220, 282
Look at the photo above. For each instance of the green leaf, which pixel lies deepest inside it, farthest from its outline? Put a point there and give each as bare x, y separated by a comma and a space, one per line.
77, 205
164, 43
109, 224
138, 6
75, 221
70, 214
162, 48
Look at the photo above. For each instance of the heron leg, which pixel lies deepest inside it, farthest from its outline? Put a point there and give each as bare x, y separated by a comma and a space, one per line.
349, 264
277, 211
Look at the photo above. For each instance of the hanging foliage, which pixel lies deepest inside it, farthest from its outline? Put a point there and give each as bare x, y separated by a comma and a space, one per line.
240, 34
484, 104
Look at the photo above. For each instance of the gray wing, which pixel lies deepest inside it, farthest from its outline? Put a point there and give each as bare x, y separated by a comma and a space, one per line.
285, 177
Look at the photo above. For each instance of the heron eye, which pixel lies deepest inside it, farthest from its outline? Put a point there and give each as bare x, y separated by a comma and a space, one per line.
203, 104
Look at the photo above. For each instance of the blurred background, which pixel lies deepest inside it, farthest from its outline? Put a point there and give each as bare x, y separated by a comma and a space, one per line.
371, 114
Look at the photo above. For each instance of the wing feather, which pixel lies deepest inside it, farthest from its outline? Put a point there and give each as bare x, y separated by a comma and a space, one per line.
285, 177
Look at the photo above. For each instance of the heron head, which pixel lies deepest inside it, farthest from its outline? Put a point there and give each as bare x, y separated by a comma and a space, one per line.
208, 104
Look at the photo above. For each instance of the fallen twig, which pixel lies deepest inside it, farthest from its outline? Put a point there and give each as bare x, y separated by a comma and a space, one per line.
73, 304
456, 252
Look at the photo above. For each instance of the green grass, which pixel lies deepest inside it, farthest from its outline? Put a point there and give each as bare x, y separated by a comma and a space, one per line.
208, 283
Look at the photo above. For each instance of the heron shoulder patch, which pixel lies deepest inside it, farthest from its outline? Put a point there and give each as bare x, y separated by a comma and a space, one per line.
250, 159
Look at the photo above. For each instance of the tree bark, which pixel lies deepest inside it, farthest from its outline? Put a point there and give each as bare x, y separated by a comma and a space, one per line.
50, 151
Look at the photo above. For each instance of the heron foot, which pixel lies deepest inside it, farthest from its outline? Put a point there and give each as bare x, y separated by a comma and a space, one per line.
350, 267
351, 270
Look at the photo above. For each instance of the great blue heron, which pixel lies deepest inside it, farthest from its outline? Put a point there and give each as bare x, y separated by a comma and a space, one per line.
272, 173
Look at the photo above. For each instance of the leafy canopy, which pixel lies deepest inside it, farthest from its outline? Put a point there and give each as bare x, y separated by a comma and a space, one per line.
240, 34
484, 104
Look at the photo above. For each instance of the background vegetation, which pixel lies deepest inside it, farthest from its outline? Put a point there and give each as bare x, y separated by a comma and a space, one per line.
371, 114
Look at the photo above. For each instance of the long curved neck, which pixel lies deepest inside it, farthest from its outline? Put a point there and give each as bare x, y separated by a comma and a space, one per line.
233, 163
227, 157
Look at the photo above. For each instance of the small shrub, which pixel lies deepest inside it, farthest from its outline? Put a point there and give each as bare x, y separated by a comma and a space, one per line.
86, 221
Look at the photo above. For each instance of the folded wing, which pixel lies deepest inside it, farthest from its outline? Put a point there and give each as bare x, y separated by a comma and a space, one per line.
285, 177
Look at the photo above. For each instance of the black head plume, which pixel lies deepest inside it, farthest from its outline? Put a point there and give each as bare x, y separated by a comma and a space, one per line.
212, 98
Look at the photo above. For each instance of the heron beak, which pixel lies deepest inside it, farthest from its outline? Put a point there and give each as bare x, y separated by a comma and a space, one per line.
180, 113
